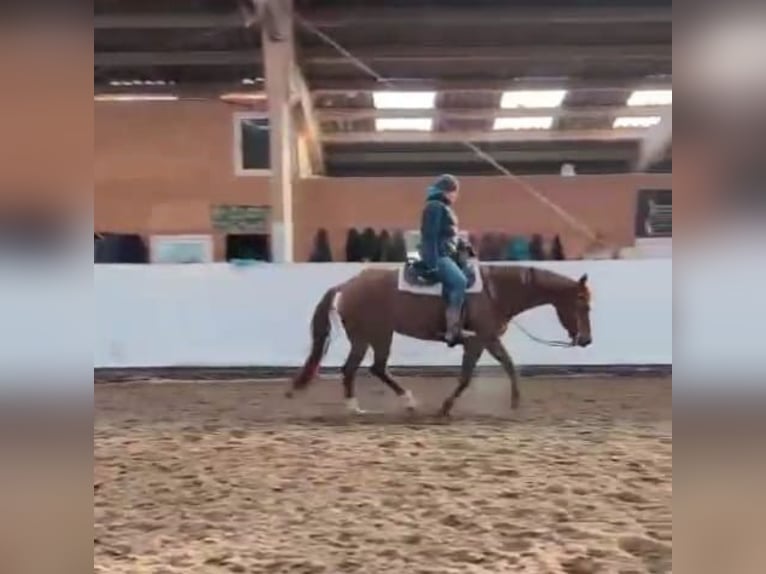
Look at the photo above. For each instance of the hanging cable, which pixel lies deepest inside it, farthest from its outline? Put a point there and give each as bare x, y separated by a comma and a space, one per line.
573, 222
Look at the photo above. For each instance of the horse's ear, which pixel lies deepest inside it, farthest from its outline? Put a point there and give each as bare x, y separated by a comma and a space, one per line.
583, 280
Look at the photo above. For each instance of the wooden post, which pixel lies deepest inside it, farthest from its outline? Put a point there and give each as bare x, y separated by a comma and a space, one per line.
279, 61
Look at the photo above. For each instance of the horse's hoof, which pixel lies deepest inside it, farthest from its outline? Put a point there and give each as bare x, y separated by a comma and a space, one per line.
289, 394
445, 412
515, 403
352, 406
410, 404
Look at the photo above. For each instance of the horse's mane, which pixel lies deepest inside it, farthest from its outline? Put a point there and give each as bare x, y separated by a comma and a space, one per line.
553, 280
542, 278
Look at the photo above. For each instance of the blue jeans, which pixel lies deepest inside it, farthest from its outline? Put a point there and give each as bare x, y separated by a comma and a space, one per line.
454, 281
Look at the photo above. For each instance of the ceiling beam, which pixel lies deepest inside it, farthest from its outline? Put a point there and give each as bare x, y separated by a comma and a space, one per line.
656, 141
427, 156
471, 55
478, 86
477, 16
321, 86
308, 122
338, 18
156, 59
169, 21
487, 113
479, 137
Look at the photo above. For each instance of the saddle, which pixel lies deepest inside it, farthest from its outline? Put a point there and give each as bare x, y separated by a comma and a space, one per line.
415, 277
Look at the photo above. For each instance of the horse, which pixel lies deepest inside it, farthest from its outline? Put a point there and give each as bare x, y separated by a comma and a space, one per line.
378, 302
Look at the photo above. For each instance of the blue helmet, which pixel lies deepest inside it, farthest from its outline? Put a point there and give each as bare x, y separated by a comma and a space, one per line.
447, 183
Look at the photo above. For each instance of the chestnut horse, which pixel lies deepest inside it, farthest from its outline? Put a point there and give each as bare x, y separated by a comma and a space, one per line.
372, 307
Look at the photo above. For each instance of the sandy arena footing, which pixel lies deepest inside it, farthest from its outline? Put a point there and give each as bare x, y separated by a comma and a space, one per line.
221, 477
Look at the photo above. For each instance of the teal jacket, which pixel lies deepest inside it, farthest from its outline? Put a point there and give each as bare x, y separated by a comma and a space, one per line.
438, 229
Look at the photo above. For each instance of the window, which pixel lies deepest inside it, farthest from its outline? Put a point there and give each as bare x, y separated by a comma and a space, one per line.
182, 249
251, 143
252, 246
119, 248
654, 213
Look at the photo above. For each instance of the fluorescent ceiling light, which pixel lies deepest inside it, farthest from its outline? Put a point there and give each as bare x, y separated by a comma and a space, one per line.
404, 124
636, 121
135, 98
651, 98
532, 99
249, 96
404, 100
524, 123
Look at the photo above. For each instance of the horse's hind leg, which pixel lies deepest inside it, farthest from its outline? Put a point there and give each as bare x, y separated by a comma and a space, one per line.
382, 350
350, 367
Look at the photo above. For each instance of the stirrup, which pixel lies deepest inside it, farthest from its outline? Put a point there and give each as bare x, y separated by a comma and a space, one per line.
459, 338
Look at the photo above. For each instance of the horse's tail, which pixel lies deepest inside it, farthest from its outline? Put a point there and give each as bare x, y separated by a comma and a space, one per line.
321, 326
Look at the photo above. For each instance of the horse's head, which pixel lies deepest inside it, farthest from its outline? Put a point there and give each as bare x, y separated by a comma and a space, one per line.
573, 309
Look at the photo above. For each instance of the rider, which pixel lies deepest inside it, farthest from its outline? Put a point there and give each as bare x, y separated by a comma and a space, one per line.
438, 249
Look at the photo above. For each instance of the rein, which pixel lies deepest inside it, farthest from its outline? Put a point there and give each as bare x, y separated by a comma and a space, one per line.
546, 342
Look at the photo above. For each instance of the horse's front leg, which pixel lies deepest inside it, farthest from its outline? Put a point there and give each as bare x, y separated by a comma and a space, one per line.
472, 350
498, 351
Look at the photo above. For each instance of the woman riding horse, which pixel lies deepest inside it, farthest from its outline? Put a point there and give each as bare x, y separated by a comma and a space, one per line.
370, 308
439, 244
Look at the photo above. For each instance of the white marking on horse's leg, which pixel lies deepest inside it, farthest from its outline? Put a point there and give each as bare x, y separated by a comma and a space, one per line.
409, 400
352, 405
336, 323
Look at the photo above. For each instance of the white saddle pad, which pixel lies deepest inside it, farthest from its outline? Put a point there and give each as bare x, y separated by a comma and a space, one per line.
436, 288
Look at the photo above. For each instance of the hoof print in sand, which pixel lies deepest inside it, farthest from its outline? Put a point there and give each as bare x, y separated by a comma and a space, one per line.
581, 565
656, 556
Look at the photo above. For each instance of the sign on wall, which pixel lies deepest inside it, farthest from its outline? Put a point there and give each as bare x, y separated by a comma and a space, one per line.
252, 219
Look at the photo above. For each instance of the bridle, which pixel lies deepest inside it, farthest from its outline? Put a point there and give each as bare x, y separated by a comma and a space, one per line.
528, 277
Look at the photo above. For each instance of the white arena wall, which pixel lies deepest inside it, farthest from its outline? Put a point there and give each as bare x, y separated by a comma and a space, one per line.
219, 315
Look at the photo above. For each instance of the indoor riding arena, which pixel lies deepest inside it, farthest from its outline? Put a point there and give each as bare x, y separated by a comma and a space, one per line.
253, 159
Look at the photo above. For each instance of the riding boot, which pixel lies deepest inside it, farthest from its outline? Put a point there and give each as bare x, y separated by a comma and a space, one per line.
454, 334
